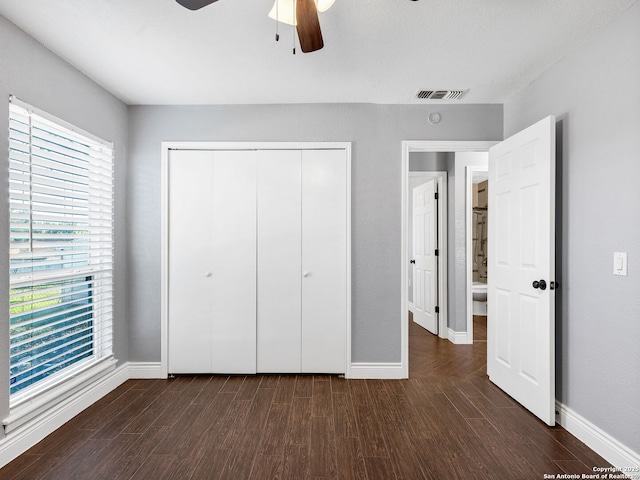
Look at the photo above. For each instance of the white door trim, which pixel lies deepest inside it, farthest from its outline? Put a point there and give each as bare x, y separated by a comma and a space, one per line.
165, 147
469, 214
409, 146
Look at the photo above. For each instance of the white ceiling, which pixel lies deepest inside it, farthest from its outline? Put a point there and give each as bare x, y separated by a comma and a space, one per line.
377, 51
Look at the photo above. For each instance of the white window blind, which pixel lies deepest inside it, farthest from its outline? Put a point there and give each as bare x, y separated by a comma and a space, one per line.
61, 250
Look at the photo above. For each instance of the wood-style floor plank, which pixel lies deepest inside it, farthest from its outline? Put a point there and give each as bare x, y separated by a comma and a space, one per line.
248, 388
15, 468
380, 468
158, 467
321, 398
322, 461
339, 384
447, 421
274, 436
370, 432
241, 459
304, 386
299, 429
285, 389
211, 464
295, 464
349, 459
266, 467
344, 418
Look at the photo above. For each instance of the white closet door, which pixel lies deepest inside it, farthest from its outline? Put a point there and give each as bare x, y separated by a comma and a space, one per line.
212, 262
233, 268
324, 260
190, 239
279, 263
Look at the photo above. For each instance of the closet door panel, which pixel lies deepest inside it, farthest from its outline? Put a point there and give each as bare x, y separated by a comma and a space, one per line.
233, 267
190, 238
279, 263
324, 256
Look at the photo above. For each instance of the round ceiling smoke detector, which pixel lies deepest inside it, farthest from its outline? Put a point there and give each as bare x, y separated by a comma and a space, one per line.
434, 118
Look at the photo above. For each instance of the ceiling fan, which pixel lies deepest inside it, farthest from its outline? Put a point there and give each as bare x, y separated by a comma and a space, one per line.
307, 23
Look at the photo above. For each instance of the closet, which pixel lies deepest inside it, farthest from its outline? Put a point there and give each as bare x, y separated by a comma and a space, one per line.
257, 261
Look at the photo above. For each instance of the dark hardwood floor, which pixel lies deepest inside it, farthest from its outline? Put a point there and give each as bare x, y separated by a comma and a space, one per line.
479, 328
446, 422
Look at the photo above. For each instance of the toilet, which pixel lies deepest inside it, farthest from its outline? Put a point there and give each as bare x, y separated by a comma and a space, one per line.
479, 292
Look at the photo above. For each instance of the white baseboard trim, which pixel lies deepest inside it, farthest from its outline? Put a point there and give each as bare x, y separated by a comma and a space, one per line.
599, 441
145, 370
459, 338
386, 371
411, 307
23, 438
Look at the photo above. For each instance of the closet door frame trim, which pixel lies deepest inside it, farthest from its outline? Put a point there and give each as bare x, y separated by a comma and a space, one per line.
166, 147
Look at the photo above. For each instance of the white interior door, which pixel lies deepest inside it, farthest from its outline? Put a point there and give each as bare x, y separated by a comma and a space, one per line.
233, 279
212, 262
521, 320
279, 261
425, 261
324, 260
190, 238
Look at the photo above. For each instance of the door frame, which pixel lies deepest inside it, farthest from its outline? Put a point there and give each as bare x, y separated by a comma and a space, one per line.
471, 169
165, 147
409, 146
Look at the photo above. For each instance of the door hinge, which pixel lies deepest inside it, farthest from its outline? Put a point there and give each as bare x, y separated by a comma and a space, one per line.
437, 252
437, 309
436, 195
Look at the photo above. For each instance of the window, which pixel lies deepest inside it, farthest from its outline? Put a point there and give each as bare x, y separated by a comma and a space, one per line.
61, 250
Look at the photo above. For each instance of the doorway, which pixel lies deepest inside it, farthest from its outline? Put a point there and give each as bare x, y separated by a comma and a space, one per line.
477, 179
409, 147
521, 260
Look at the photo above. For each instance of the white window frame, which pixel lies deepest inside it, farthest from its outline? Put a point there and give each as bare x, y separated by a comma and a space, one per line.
97, 263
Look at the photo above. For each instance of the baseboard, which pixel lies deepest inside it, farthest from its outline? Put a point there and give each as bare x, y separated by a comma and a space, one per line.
411, 307
459, 338
602, 443
23, 438
144, 370
387, 371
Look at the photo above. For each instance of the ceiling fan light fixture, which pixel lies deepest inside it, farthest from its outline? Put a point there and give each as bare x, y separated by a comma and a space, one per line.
285, 11
324, 5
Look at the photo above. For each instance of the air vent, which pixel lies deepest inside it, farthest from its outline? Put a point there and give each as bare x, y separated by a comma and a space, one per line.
440, 94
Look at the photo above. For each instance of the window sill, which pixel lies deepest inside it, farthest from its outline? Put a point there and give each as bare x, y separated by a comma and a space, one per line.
29, 409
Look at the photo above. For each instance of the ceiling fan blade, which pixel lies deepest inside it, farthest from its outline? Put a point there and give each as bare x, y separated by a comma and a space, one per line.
308, 26
195, 4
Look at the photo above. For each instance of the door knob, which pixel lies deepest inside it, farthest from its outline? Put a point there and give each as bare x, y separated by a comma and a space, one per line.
412, 261
541, 284
208, 274
305, 274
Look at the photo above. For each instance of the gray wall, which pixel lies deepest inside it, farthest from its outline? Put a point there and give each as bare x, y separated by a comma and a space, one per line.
376, 132
429, 161
35, 75
595, 97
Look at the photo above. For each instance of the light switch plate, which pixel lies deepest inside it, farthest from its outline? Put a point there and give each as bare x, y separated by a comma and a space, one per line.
620, 263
